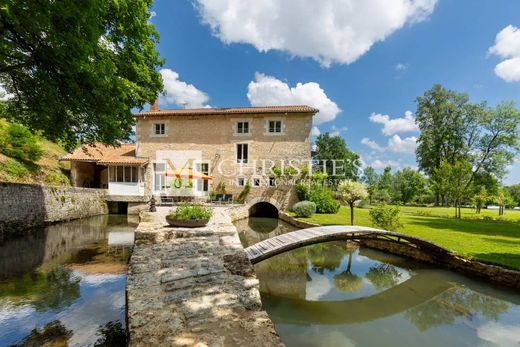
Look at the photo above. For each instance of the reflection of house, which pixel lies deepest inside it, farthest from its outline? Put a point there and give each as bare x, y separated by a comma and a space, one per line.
190, 152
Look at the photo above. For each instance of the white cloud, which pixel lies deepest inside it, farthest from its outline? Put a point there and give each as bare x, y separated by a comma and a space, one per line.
315, 131
395, 145
401, 67
268, 90
335, 131
372, 144
396, 125
4, 95
500, 334
181, 93
333, 31
507, 47
404, 146
381, 164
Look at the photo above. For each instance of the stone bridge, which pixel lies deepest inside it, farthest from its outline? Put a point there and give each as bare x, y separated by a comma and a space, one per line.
300, 238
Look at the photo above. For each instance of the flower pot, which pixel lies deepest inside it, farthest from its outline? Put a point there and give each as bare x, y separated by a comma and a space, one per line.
186, 223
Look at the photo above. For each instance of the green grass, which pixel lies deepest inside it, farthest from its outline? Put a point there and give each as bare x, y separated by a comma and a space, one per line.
47, 170
493, 241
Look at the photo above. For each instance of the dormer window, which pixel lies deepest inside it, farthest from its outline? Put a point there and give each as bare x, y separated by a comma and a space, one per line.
242, 127
160, 129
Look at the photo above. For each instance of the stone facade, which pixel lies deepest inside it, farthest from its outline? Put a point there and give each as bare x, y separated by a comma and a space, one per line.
24, 206
194, 287
215, 137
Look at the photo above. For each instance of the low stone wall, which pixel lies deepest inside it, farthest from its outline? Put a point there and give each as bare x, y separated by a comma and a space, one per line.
489, 272
25, 206
194, 287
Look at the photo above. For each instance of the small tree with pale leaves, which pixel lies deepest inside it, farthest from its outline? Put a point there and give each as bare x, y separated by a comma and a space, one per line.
349, 192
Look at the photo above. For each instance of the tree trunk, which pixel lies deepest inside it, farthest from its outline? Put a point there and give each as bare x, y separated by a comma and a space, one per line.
351, 213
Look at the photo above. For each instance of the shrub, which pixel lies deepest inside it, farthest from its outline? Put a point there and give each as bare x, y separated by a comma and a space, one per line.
323, 199
302, 191
244, 193
304, 208
18, 142
189, 211
386, 217
15, 169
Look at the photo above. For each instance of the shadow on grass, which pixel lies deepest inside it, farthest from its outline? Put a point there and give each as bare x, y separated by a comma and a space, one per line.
489, 228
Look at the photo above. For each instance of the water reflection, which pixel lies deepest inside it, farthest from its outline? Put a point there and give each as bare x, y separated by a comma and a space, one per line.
65, 284
335, 294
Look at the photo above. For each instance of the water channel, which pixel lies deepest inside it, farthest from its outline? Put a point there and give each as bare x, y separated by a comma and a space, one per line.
340, 294
65, 284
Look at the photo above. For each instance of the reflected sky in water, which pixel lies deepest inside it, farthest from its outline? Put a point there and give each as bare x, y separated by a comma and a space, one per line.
67, 284
336, 294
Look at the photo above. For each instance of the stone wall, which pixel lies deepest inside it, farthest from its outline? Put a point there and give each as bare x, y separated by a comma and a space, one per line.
24, 206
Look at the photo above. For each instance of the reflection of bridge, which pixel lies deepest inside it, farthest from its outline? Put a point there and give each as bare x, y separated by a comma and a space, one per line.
300, 238
423, 286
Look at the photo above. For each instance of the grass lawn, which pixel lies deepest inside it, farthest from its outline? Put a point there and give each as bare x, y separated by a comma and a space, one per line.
495, 241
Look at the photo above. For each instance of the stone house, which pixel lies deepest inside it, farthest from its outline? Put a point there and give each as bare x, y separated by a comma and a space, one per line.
197, 152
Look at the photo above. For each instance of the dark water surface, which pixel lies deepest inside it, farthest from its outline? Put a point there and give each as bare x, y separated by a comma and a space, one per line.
65, 284
337, 294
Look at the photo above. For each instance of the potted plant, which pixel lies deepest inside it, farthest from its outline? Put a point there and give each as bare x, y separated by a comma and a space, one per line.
189, 215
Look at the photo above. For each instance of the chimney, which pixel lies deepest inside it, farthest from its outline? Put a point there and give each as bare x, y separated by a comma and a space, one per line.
155, 106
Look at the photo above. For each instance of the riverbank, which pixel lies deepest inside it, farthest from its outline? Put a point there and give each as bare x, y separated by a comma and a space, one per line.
489, 241
194, 286
490, 272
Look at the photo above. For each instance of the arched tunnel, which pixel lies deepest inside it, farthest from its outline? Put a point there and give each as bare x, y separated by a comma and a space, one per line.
263, 209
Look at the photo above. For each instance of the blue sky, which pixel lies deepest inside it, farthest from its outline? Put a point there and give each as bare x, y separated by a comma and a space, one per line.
352, 58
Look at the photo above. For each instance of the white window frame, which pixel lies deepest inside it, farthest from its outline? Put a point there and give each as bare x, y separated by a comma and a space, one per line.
256, 179
113, 173
241, 152
267, 128
154, 173
207, 162
154, 126
239, 180
249, 121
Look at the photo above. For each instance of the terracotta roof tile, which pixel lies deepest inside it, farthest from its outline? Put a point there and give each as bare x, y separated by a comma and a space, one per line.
101, 154
230, 111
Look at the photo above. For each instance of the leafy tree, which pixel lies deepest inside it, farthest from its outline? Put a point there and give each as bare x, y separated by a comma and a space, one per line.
514, 191
480, 198
330, 148
347, 281
503, 199
17, 141
456, 175
77, 68
371, 179
349, 192
407, 185
383, 276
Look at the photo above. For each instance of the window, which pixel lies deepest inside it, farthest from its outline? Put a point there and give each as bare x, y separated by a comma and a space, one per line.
202, 185
242, 153
256, 182
242, 127
159, 177
160, 129
241, 182
275, 126
272, 181
121, 174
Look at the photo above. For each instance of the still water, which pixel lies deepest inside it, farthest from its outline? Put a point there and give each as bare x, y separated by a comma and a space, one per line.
337, 294
65, 284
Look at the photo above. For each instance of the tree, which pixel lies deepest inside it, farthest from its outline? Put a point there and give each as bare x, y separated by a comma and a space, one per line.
503, 199
371, 179
407, 185
349, 192
333, 148
386, 217
76, 69
514, 191
480, 198
384, 186
456, 175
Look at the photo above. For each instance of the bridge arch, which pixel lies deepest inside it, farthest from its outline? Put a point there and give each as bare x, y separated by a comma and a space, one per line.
263, 207
304, 237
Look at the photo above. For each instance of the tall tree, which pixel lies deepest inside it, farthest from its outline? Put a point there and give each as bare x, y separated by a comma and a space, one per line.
349, 192
330, 149
456, 175
407, 185
76, 69
371, 179
514, 191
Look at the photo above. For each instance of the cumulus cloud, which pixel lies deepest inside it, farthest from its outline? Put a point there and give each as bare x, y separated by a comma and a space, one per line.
315, 131
335, 131
268, 90
395, 144
396, 125
507, 47
338, 31
181, 93
381, 164
500, 334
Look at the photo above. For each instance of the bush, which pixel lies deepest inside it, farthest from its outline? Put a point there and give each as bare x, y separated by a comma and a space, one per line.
18, 142
16, 169
386, 217
189, 211
304, 208
302, 191
325, 202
